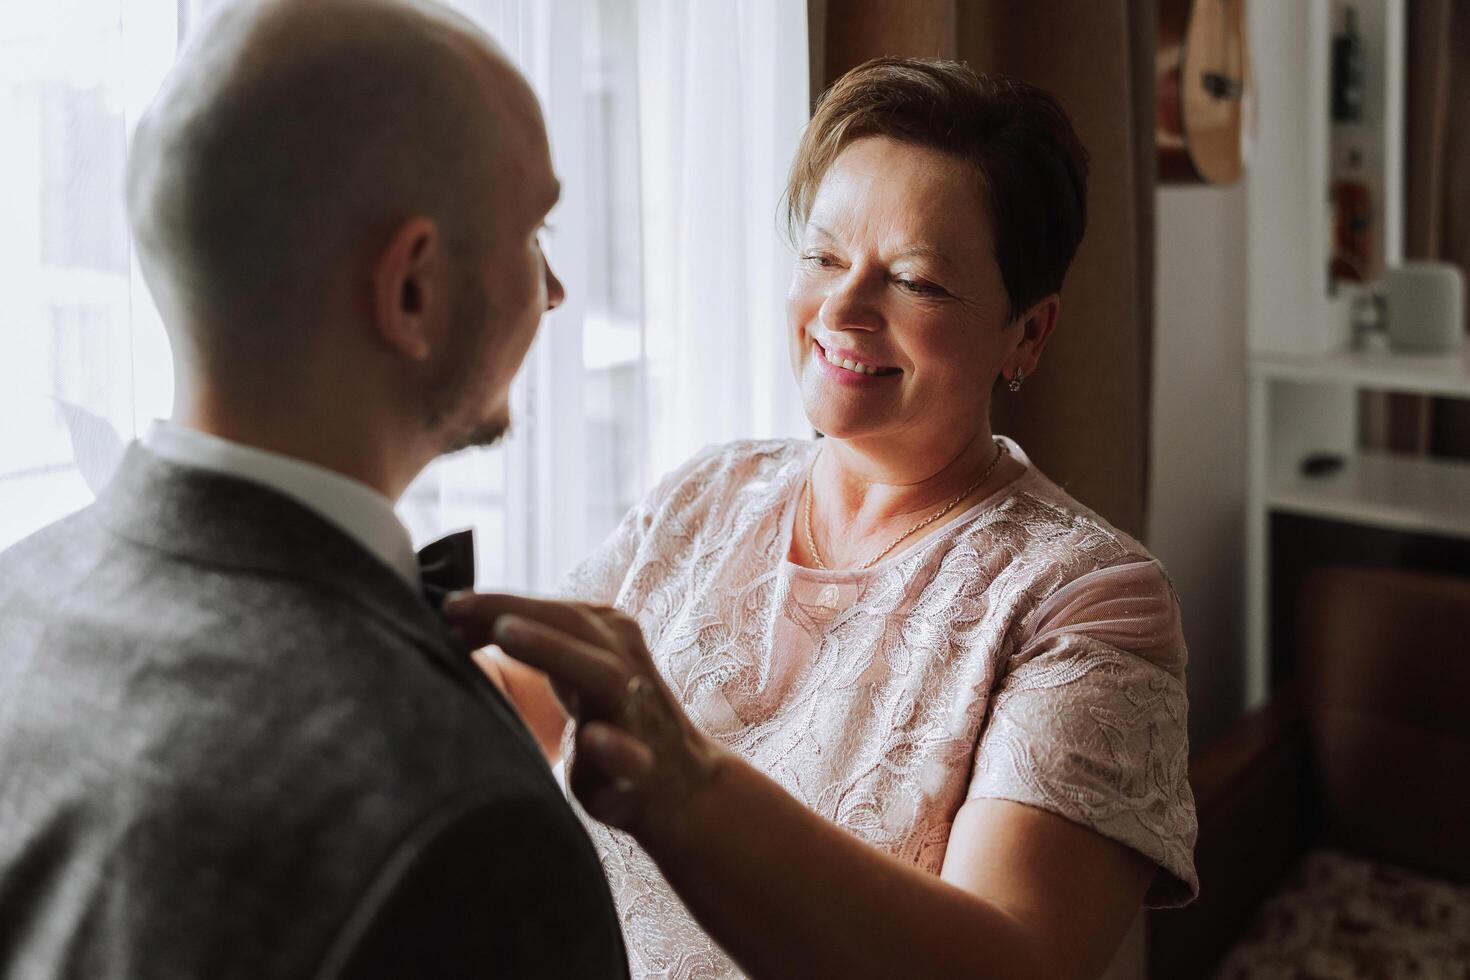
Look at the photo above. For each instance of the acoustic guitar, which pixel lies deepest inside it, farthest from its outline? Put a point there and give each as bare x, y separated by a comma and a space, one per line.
1203, 80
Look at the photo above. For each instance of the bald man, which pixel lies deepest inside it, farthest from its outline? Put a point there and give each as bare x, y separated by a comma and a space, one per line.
235, 738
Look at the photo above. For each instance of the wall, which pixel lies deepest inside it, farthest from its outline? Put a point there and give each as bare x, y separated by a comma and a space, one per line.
1197, 484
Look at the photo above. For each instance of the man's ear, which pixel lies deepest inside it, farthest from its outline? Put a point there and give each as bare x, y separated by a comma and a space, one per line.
409, 287
1037, 323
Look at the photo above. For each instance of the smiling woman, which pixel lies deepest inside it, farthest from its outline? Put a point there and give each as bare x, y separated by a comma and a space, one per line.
951, 696
896, 272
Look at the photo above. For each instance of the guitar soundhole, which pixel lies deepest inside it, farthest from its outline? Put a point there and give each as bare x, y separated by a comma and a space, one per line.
1222, 86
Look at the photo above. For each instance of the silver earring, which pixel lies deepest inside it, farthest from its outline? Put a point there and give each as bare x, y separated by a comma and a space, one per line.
1018, 380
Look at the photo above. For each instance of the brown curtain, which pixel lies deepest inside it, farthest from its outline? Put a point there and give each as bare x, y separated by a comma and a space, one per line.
1084, 418
1436, 193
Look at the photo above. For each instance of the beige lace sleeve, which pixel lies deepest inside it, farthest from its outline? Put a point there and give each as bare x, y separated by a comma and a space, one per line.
599, 577
1089, 722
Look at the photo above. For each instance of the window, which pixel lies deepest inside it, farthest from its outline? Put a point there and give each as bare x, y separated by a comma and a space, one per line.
79, 351
671, 125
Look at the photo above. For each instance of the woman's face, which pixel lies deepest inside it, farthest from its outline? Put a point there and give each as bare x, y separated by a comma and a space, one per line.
897, 278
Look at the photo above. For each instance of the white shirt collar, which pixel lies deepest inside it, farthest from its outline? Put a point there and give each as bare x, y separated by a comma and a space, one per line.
357, 509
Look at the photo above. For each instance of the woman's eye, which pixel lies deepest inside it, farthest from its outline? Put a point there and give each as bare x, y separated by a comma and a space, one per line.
919, 287
819, 261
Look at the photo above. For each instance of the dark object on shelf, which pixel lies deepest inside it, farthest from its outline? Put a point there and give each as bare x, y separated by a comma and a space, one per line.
1348, 71
1321, 464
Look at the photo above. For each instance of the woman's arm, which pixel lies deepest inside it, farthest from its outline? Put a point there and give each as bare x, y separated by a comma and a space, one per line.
1076, 890
1023, 894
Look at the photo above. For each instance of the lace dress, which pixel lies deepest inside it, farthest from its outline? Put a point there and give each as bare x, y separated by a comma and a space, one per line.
1027, 651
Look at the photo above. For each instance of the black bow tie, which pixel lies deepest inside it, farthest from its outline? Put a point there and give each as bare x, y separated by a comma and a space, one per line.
447, 565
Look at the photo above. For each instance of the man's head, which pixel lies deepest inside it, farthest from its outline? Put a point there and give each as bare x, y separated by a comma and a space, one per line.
337, 203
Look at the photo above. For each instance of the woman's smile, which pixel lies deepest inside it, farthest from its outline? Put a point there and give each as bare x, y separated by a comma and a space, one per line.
847, 366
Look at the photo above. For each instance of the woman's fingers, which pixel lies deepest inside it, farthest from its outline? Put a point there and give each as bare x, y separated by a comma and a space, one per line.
615, 753
474, 614
599, 678
622, 765
629, 634
638, 757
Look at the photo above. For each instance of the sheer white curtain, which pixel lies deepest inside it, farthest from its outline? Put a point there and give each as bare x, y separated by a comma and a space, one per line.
672, 123
83, 359
723, 94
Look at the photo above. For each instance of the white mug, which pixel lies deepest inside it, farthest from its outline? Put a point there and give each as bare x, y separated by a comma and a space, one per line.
1425, 307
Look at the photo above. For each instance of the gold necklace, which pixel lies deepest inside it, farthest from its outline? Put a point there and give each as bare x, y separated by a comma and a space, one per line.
811, 543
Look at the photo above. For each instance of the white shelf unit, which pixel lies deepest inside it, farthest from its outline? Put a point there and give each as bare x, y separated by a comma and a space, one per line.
1301, 406
1303, 388
1382, 490
1442, 375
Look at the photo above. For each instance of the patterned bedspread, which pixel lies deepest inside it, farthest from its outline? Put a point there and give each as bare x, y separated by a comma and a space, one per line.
1341, 917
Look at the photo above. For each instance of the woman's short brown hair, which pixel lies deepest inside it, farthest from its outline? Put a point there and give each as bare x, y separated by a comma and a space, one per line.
1032, 167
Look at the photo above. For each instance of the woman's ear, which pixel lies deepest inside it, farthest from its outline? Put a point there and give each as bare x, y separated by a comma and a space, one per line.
1037, 323
409, 289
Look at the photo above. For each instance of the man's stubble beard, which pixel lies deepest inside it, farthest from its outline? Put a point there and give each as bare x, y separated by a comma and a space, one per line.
457, 377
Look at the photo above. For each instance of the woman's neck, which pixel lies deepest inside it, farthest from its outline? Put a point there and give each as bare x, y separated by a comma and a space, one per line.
863, 497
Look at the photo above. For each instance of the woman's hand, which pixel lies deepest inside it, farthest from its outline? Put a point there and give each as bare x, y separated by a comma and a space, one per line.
638, 758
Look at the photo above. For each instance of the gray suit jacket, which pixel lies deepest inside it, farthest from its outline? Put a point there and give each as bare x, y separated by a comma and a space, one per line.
234, 744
